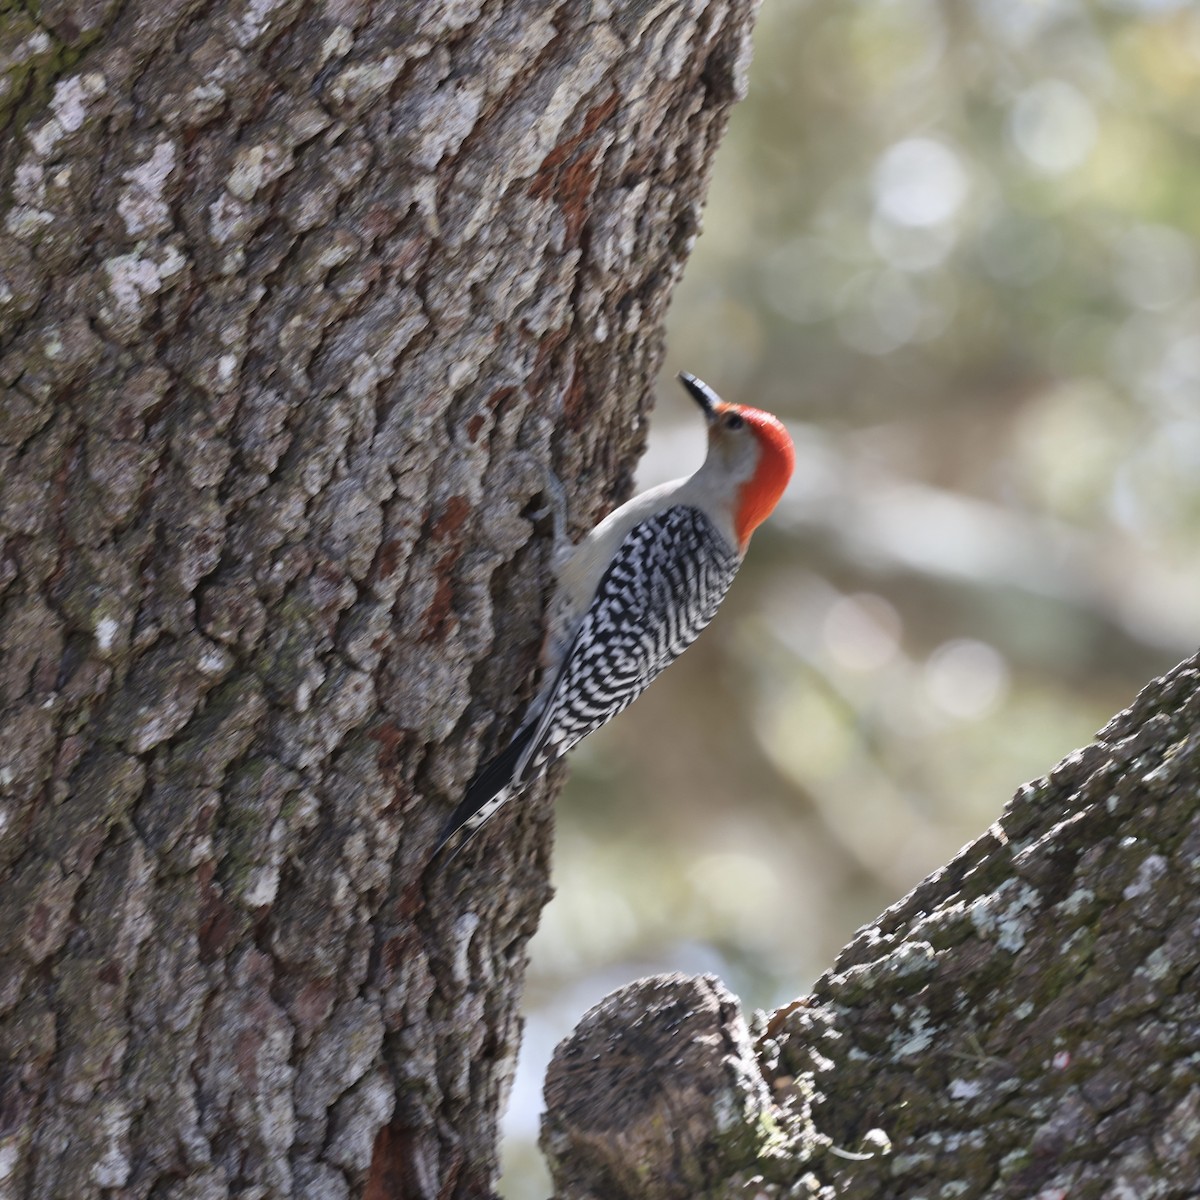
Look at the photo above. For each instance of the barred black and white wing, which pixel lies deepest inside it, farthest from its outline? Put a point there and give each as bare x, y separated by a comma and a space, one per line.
663, 586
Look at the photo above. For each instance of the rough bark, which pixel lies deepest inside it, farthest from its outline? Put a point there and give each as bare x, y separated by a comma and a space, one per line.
1026, 1023
298, 301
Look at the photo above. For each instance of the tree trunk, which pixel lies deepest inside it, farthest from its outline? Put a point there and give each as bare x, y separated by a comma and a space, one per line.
298, 303
1026, 1023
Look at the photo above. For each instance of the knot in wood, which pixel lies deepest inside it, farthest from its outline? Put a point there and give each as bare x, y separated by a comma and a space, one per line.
656, 1087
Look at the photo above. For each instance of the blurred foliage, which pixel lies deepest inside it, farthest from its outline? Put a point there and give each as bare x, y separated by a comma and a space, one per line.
954, 246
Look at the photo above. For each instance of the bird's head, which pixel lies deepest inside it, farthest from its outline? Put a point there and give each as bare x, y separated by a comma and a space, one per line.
751, 449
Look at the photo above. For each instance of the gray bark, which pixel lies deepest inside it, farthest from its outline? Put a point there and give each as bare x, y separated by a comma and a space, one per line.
297, 305
1026, 1023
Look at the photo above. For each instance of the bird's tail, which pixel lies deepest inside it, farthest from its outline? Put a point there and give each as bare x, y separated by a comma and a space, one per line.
493, 784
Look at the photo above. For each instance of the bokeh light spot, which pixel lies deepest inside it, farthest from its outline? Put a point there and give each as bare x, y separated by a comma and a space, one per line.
966, 679
919, 182
1053, 126
862, 632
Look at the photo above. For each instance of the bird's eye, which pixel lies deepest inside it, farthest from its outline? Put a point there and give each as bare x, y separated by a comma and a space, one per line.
733, 421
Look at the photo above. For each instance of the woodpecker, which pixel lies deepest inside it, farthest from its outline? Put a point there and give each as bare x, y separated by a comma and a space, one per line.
636, 592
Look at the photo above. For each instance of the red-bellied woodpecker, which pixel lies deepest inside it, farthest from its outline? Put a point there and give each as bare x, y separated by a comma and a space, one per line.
637, 591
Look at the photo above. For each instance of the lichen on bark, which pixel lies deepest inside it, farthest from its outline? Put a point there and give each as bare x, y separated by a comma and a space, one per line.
1025, 1023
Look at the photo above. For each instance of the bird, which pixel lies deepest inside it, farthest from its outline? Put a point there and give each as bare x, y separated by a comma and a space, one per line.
635, 593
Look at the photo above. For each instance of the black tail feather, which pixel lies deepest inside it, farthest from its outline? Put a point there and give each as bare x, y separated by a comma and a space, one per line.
491, 779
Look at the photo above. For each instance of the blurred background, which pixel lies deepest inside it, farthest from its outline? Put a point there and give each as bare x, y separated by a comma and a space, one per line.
954, 245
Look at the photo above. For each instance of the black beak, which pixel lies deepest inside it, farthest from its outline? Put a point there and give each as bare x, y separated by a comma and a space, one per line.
702, 394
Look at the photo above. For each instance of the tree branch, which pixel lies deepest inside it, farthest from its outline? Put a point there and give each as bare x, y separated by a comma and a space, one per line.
1024, 1023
